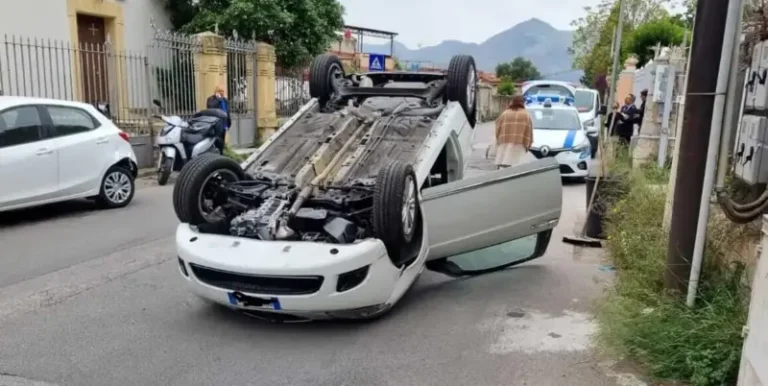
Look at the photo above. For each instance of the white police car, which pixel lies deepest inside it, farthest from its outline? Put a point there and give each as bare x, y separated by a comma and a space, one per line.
558, 132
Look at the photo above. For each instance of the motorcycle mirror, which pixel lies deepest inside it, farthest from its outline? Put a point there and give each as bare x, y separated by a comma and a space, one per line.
157, 103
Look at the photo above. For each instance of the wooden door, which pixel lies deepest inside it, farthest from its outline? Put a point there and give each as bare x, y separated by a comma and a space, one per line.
92, 37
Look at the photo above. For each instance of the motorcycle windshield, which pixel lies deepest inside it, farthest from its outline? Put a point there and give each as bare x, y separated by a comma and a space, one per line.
173, 120
167, 128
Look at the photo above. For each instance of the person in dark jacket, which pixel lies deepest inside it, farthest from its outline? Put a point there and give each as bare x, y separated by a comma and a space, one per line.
610, 123
627, 116
643, 97
219, 101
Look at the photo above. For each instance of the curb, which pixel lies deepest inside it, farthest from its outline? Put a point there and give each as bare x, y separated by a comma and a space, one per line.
146, 172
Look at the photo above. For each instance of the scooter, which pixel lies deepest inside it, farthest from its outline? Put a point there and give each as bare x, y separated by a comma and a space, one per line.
181, 140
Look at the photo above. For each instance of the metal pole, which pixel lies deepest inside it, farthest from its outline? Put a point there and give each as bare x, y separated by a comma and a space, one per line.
730, 109
614, 71
616, 54
705, 58
731, 26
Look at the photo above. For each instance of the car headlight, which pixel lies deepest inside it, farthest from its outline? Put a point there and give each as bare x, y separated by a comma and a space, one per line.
590, 123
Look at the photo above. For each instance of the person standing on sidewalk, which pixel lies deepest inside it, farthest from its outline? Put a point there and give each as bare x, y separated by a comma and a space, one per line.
219, 101
625, 127
514, 134
641, 113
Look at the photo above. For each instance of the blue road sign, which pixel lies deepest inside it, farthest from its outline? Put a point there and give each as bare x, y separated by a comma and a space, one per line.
376, 62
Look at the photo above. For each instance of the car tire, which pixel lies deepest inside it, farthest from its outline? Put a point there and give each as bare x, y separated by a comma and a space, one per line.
462, 85
117, 188
193, 178
166, 165
323, 72
396, 211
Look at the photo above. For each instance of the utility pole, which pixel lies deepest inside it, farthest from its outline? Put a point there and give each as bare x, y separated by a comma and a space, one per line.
616, 56
709, 29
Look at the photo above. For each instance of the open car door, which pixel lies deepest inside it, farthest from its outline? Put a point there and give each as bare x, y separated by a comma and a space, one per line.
493, 221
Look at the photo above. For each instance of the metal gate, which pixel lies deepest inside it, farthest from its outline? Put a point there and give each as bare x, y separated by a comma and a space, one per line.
128, 80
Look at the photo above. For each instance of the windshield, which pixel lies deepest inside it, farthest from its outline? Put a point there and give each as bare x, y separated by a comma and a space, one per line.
584, 101
549, 119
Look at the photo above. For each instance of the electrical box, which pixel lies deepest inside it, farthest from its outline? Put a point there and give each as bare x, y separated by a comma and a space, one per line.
751, 150
752, 76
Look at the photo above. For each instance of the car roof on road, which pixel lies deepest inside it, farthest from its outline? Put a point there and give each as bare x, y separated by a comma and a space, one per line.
8, 101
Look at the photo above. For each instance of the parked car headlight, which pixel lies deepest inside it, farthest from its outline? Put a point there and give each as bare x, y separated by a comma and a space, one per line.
590, 123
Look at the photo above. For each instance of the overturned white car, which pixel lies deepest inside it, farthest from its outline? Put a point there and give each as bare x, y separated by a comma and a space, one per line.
337, 214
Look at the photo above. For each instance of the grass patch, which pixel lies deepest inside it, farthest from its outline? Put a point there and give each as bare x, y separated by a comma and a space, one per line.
228, 152
700, 345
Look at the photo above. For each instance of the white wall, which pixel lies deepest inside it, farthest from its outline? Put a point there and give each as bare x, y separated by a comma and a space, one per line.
137, 15
753, 371
24, 20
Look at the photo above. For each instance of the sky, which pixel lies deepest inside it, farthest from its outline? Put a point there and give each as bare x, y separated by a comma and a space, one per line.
428, 22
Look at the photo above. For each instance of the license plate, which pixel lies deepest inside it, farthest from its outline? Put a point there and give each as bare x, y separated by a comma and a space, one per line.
240, 299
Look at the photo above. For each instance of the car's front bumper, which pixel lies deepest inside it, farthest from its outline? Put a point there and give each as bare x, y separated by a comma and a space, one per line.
283, 274
572, 164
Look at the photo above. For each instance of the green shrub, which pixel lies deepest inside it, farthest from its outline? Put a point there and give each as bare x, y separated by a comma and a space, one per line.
699, 345
232, 154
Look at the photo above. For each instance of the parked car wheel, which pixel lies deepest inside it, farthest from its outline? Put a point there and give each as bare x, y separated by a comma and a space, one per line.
462, 85
195, 197
324, 72
396, 211
117, 188
166, 165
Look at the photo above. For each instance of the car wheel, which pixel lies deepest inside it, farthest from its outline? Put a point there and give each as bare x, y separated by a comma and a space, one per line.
195, 197
324, 72
166, 165
117, 188
396, 211
462, 85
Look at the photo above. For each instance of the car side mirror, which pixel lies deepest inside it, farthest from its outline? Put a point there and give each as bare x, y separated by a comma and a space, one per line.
603, 110
157, 103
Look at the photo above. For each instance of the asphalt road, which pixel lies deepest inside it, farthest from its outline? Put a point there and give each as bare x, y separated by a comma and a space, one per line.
94, 298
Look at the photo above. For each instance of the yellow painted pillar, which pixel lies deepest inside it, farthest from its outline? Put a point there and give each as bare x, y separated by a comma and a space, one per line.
210, 67
265, 91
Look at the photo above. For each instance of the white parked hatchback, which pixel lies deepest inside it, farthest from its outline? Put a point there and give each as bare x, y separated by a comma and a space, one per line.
53, 150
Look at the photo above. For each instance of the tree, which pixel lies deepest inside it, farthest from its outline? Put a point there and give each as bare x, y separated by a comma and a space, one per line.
518, 70
299, 29
594, 33
506, 87
666, 32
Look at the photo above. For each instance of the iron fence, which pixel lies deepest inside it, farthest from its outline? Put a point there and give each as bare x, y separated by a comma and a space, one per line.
86, 72
172, 68
291, 90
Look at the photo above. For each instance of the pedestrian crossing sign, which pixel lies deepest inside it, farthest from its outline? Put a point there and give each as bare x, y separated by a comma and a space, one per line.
376, 62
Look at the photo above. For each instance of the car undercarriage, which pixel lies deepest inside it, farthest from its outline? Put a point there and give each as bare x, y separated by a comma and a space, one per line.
341, 170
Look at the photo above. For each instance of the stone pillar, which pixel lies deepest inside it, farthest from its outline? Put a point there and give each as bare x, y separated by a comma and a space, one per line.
647, 141
210, 67
626, 80
265, 91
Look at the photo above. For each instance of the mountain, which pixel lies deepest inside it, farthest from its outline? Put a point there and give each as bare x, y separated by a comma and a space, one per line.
533, 39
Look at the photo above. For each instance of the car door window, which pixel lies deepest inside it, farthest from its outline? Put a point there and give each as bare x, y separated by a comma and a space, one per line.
497, 256
20, 125
70, 120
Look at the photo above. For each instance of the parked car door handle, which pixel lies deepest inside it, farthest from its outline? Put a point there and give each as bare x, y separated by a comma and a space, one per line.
44, 151
102, 140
